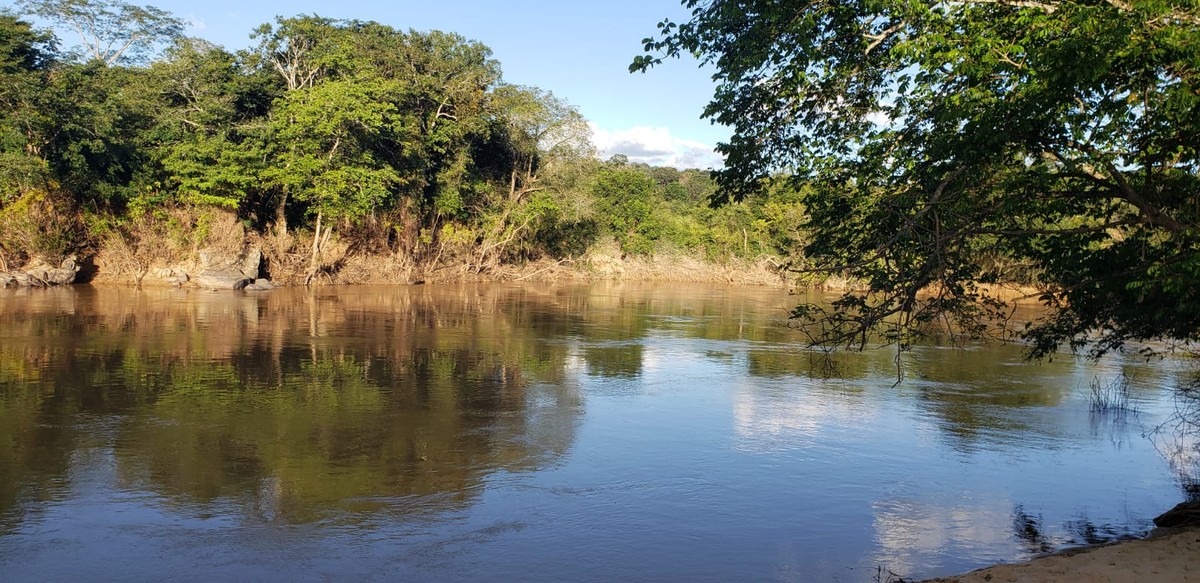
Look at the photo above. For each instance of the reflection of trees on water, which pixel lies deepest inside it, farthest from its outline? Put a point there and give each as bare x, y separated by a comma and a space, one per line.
815, 364
1178, 439
1028, 529
973, 396
297, 405
909, 531
992, 395
618, 360
1079, 531
294, 400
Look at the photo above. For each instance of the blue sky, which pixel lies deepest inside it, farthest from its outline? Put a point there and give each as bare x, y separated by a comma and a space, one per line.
579, 50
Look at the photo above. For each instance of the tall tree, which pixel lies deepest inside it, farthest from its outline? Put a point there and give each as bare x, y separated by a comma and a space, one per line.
1065, 134
111, 31
540, 129
301, 49
535, 138
332, 131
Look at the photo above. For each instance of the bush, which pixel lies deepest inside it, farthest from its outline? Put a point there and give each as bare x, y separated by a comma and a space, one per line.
39, 223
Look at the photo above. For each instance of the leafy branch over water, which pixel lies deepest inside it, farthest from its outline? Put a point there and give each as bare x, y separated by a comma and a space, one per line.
1058, 137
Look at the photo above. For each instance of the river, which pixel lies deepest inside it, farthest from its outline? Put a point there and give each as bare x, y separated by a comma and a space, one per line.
536, 432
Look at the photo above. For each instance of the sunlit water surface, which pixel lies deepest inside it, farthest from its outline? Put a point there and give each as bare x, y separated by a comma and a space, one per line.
541, 433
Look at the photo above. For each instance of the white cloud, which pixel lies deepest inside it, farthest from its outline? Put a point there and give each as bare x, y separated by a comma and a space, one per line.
655, 146
196, 23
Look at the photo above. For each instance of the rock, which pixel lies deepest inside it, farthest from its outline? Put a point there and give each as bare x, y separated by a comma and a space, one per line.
18, 279
42, 273
1183, 514
251, 264
227, 278
260, 285
212, 259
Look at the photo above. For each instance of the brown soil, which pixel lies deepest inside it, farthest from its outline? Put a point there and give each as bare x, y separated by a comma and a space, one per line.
1169, 556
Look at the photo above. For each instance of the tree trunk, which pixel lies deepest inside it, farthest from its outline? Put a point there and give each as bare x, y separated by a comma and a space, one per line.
281, 215
314, 264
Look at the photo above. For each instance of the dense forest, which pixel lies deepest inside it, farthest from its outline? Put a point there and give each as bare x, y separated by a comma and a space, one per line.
914, 149
345, 150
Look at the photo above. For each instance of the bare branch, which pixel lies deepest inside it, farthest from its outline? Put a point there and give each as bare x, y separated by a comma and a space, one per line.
877, 39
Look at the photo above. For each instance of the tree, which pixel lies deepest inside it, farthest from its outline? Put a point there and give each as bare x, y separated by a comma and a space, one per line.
1059, 133
24, 61
332, 131
111, 31
535, 137
210, 126
540, 129
627, 200
301, 49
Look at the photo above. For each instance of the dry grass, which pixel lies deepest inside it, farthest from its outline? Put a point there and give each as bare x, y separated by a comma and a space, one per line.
153, 247
603, 262
376, 269
285, 255
219, 232
39, 224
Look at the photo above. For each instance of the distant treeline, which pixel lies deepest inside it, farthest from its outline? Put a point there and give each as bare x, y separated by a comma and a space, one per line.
386, 142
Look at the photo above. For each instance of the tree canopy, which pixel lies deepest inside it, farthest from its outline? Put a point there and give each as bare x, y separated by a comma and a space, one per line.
1063, 135
329, 140
110, 31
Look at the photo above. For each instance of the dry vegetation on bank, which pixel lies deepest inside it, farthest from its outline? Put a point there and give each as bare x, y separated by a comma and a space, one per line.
165, 252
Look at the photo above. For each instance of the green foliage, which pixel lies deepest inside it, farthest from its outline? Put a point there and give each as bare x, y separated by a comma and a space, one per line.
20, 172
1059, 135
97, 139
327, 135
24, 57
401, 141
627, 201
208, 148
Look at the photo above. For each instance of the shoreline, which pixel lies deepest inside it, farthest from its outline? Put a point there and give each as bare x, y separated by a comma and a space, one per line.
1165, 555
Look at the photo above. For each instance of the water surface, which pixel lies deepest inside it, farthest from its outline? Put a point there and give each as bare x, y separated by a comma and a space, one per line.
539, 433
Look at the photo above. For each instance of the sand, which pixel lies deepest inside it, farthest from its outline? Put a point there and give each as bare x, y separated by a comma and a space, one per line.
1166, 556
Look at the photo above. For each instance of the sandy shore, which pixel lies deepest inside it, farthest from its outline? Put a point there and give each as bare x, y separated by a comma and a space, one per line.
1167, 557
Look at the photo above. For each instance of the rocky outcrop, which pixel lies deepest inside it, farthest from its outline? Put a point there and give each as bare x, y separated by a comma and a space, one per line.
217, 269
224, 278
260, 285
248, 260
41, 274
1183, 514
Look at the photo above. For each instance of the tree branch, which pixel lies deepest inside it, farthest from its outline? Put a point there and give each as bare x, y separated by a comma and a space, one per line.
877, 39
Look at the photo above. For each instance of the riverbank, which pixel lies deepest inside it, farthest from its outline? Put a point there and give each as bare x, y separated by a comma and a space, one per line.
1167, 556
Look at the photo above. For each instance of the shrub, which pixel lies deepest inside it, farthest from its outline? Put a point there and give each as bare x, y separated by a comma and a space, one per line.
39, 223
